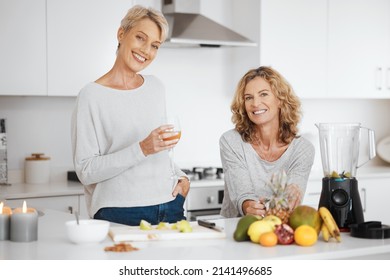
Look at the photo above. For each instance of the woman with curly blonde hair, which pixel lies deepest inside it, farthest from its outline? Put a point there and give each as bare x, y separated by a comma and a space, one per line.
265, 141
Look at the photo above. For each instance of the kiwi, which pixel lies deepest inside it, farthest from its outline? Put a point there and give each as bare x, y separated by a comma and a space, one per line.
241, 232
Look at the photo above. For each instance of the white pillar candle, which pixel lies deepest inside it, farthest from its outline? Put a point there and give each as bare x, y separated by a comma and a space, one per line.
24, 224
5, 213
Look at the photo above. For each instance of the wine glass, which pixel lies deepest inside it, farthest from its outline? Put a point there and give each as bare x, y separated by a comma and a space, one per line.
174, 121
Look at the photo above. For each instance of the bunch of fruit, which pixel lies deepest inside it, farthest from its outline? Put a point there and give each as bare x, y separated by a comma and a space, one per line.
336, 175
181, 226
303, 227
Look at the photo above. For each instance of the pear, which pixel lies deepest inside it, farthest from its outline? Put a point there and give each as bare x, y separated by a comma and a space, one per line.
144, 225
273, 220
184, 226
162, 226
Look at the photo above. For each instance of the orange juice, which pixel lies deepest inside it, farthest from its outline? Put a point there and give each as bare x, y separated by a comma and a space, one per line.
177, 136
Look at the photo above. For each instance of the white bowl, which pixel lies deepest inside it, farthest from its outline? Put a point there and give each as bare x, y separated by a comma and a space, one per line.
87, 231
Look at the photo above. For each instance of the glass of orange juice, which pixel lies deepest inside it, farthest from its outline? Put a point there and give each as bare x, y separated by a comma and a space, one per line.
172, 134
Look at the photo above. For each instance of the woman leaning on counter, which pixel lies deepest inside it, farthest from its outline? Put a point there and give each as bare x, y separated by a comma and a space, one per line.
117, 133
265, 141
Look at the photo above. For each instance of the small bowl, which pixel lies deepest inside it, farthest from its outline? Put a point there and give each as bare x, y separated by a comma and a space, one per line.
87, 231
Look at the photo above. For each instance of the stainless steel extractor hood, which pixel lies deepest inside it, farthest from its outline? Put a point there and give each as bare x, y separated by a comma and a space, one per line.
188, 27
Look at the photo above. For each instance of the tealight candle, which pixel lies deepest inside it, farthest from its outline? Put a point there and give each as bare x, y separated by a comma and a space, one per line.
5, 213
24, 224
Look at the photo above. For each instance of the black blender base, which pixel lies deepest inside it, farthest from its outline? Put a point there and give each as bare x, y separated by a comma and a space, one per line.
341, 197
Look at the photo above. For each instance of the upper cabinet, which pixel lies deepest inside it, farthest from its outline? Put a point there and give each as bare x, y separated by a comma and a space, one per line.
55, 47
359, 48
329, 48
293, 42
81, 41
23, 47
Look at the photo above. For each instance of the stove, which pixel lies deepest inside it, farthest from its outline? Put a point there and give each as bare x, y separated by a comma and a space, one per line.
204, 201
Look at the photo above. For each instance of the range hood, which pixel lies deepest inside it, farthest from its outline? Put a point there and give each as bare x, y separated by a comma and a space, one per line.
188, 27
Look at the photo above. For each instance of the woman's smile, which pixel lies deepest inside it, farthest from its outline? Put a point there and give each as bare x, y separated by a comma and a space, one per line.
139, 58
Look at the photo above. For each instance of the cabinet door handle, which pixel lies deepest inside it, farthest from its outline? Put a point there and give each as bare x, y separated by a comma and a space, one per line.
378, 78
70, 208
364, 192
388, 78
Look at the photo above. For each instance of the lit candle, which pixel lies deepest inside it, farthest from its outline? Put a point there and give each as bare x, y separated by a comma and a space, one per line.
24, 224
5, 212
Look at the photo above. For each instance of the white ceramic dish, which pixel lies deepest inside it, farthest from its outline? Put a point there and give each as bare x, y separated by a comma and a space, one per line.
88, 231
383, 149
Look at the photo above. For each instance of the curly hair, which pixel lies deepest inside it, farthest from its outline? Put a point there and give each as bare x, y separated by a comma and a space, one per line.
289, 113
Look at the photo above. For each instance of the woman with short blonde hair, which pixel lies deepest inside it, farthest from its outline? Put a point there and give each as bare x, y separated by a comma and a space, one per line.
119, 151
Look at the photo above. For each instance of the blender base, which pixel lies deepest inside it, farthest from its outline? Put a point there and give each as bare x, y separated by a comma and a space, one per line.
341, 197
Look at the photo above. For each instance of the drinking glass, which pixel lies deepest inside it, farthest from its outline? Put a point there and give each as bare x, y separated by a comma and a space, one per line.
174, 121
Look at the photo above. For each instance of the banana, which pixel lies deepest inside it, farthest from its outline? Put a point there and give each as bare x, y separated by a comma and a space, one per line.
330, 223
325, 232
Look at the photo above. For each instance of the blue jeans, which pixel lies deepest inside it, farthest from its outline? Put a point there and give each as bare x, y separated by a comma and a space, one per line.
169, 212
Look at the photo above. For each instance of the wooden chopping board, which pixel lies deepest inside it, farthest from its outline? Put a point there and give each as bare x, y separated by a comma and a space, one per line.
134, 233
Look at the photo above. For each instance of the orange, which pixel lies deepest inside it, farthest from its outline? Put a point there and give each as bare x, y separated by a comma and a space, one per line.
268, 239
305, 235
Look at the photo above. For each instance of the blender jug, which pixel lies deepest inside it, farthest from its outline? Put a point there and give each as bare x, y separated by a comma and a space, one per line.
339, 145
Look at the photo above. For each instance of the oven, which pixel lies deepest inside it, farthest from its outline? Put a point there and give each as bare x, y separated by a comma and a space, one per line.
204, 201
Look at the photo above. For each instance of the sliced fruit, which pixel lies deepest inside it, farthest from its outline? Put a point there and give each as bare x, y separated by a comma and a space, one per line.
184, 226
162, 226
285, 234
257, 228
144, 225
305, 235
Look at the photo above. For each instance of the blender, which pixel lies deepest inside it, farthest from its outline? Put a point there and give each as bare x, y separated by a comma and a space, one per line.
340, 145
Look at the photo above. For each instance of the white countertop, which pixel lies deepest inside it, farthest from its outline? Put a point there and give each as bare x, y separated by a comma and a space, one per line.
53, 244
22, 190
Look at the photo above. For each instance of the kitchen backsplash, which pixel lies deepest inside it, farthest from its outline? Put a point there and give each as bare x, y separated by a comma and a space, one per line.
42, 124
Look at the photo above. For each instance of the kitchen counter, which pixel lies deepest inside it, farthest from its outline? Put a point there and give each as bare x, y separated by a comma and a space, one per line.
52, 244
22, 190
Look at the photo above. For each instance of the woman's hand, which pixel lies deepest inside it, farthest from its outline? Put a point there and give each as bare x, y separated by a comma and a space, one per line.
294, 196
182, 187
252, 207
154, 143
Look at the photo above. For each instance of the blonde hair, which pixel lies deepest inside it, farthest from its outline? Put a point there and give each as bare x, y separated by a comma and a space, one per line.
289, 114
138, 13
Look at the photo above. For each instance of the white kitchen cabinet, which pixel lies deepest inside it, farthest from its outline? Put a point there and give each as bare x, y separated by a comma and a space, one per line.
375, 194
293, 40
81, 41
23, 47
67, 203
313, 193
359, 49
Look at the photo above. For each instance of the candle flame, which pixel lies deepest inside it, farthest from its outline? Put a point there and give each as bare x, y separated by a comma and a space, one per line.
1, 207
24, 209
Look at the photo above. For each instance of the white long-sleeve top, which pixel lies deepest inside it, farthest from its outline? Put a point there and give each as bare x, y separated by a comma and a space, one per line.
107, 126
